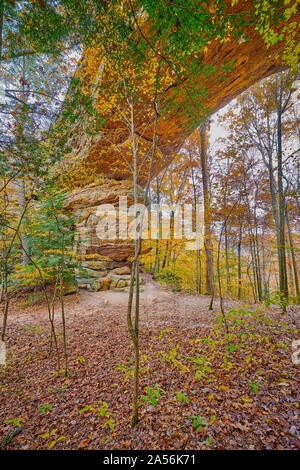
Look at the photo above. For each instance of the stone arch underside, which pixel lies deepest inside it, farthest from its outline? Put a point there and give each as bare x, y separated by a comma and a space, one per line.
253, 61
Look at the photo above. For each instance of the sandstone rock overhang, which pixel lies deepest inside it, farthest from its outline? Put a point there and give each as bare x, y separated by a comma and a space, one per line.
252, 60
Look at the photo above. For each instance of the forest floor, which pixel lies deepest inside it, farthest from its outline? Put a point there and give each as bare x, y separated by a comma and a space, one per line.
207, 391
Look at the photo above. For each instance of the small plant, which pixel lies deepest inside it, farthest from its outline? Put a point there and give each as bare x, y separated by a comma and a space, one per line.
152, 396
169, 277
81, 360
87, 408
15, 421
44, 408
202, 366
198, 422
34, 298
171, 358
127, 371
231, 347
55, 440
181, 397
62, 390
164, 332
254, 386
36, 329
102, 412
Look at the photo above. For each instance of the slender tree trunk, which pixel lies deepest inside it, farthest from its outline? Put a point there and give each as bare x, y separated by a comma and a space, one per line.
227, 260
281, 203
1, 26
198, 252
199, 268
263, 258
166, 255
21, 200
5, 293
62, 304
258, 268
292, 251
253, 259
252, 284
239, 264
7, 252
135, 268
157, 243
207, 219
134, 329
290, 270
275, 212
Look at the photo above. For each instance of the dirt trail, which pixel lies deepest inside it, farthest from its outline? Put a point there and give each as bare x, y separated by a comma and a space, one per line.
159, 306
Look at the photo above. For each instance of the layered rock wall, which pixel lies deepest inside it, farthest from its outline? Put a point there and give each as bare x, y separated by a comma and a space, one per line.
103, 261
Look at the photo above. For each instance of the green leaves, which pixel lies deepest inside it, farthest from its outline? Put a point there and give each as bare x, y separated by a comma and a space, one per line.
50, 233
254, 386
51, 434
202, 366
44, 408
182, 397
231, 347
127, 371
103, 413
87, 408
152, 396
15, 421
198, 422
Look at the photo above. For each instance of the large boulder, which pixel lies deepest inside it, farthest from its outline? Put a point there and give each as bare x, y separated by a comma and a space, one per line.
123, 270
101, 284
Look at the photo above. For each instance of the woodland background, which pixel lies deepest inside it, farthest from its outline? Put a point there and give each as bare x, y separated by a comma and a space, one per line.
208, 366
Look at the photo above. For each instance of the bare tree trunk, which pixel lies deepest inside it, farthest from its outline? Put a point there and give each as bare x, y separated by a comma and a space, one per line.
166, 255
157, 244
263, 258
134, 329
253, 260
281, 203
239, 263
227, 260
7, 253
292, 289
292, 251
199, 269
198, 252
207, 219
252, 284
1, 26
21, 200
258, 268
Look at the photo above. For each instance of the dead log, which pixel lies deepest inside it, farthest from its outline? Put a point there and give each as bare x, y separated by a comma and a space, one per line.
5, 441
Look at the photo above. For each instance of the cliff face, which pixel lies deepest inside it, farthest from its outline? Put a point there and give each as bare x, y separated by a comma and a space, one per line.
103, 256
96, 209
103, 153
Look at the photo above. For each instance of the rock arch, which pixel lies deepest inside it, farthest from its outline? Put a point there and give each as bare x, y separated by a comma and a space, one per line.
253, 61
